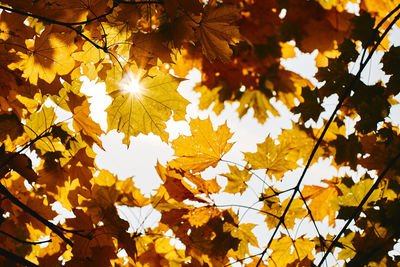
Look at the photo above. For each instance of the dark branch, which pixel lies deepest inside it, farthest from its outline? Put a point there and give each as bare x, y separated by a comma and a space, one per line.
24, 241
359, 208
346, 93
25, 208
16, 258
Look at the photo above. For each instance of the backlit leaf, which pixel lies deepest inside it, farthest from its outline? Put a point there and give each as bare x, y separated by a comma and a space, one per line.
272, 157
147, 111
50, 54
205, 148
236, 180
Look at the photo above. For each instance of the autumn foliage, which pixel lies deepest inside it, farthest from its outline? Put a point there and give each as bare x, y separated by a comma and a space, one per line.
47, 46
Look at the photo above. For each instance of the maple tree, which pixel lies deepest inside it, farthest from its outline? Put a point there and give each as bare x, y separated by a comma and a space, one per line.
142, 51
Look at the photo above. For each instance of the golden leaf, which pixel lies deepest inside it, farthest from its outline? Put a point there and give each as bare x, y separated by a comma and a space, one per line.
236, 180
320, 204
50, 55
272, 157
286, 250
83, 123
148, 110
259, 102
203, 149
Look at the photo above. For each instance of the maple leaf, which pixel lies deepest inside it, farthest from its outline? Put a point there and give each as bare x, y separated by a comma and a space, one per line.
347, 150
259, 102
275, 210
148, 110
200, 216
50, 54
245, 235
216, 32
175, 186
286, 250
205, 148
147, 48
274, 158
311, 107
236, 180
82, 122
203, 186
320, 204
391, 68
39, 123
352, 195
10, 126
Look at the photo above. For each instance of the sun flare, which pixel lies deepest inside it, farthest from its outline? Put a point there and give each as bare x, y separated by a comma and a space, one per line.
131, 84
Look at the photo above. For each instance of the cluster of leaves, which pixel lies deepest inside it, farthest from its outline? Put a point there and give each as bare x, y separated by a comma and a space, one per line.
238, 46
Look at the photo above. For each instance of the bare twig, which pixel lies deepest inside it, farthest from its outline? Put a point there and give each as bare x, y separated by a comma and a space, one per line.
16, 258
24, 241
346, 93
359, 208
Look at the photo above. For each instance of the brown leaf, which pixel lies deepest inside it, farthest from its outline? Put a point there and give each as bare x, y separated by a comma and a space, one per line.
216, 31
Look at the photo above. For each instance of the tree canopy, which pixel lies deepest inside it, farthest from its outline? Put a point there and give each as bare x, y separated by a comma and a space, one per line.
142, 51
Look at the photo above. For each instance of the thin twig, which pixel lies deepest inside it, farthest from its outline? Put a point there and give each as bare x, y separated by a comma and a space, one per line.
16, 258
51, 21
17, 202
359, 208
346, 93
24, 241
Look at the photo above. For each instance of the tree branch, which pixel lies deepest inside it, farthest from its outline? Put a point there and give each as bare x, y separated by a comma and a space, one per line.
359, 208
17, 202
16, 258
346, 93
24, 241
51, 21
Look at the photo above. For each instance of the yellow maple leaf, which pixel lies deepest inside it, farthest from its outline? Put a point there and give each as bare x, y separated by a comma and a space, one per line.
83, 123
286, 250
174, 185
146, 110
259, 102
216, 31
200, 216
49, 55
320, 204
203, 186
236, 180
203, 149
272, 157
276, 210
244, 234
40, 122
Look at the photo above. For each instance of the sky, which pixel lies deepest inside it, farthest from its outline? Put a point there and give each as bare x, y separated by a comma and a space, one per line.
139, 159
